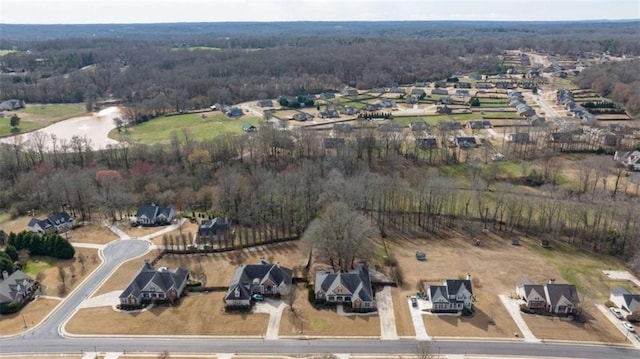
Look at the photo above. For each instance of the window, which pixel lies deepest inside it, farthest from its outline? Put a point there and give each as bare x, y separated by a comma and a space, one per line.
347, 298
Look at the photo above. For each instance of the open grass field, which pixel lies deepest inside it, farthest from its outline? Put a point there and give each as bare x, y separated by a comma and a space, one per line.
94, 232
36, 116
4, 52
496, 268
159, 130
306, 320
72, 267
195, 314
33, 313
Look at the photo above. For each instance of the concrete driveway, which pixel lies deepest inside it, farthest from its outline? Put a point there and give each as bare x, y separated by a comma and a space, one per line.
274, 308
384, 302
622, 275
418, 323
618, 324
513, 308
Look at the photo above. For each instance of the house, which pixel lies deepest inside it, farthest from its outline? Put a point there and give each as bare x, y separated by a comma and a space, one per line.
462, 93
532, 294
465, 141
234, 112
150, 285
386, 103
426, 143
478, 125
247, 127
351, 92
561, 298
153, 215
536, 120
352, 288
327, 95
16, 287
412, 100
208, 229
446, 100
377, 90
332, 113
449, 126
418, 92
505, 85
265, 103
55, 222
262, 278
484, 85
398, 90
439, 91
419, 126
349, 111
443, 110
452, 296
524, 110
463, 85
11, 105
302, 116
389, 127
623, 299
630, 160
372, 107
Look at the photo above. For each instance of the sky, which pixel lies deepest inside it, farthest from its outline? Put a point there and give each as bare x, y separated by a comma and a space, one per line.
161, 11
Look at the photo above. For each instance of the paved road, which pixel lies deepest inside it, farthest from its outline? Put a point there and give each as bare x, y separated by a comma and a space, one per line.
293, 346
113, 254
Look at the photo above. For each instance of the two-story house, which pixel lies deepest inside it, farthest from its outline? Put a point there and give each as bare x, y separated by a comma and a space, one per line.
453, 295
262, 278
340, 288
151, 285
54, 223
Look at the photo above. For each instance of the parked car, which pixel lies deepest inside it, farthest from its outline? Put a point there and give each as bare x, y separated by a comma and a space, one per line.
414, 302
616, 312
257, 297
628, 326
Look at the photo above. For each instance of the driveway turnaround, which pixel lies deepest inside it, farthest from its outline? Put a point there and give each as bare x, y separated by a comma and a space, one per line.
418, 323
514, 311
385, 313
274, 308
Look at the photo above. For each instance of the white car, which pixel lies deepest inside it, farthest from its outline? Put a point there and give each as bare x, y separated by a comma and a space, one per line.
616, 312
628, 326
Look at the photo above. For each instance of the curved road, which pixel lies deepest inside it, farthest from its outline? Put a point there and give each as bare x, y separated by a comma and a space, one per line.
49, 337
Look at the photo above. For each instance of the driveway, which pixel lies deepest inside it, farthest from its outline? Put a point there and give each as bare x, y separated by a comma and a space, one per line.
514, 311
274, 308
418, 323
622, 275
386, 314
618, 324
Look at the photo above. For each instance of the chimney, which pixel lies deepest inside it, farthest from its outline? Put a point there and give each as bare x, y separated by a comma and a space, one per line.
468, 276
5, 275
278, 264
552, 281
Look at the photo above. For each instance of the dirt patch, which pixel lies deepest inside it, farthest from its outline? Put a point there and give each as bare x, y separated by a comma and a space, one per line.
218, 268
124, 274
597, 328
95, 233
32, 314
309, 321
404, 325
188, 229
16, 225
74, 273
196, 314
136, 232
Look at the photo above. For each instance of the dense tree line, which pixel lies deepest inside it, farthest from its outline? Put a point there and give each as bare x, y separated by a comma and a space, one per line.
52, 244
619, 81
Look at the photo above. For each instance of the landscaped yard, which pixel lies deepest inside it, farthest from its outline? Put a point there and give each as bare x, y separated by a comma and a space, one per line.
159, 130
73, 269
597, 329
32, 314
196, 314
36, 116
308, 321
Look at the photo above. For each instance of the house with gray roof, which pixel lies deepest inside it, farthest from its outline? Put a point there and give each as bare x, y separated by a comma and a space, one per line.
532, 294
262, 278
55, 223
452, 296
524, 110
265, 103
558, 298
302, 116
16, 287
331, 113
234, 112
151, 285
211, 228
440, 91
352, 288
153, 215
625, 300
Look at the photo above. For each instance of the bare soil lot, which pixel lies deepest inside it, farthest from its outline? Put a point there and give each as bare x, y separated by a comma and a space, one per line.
308, 321
597, 329
196, 314
218, 268
188, 228
95, 233
124, 274
496, 267
33, 313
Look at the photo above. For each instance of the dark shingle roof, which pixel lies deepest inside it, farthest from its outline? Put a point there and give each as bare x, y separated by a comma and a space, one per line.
453, 285
9, 286
245, 275
164, 280
557, 291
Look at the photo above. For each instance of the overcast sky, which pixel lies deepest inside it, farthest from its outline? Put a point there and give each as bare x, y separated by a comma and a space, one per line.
146, 11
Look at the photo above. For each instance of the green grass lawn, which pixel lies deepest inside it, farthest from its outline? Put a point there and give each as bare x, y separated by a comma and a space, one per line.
194, 48
37, 116
37, 264
435, 119
4, 52
159, 129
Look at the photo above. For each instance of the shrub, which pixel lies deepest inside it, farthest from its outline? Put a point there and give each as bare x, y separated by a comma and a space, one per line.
10, 308
609, 304
634, 317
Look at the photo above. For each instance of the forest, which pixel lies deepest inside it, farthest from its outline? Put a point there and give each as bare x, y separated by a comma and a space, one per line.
273, 184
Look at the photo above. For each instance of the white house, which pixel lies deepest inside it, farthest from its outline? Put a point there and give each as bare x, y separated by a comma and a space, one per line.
452, 295
624, 300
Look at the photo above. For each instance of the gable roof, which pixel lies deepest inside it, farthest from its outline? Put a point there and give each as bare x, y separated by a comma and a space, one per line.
454, 285
213, 226
150, 211
163, 280
9, 287
246, 275
561, 294
358, 282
